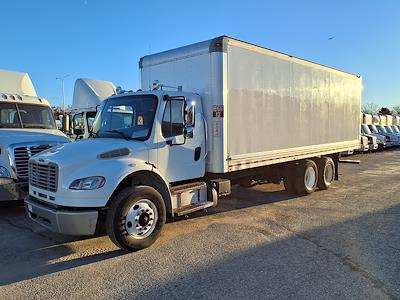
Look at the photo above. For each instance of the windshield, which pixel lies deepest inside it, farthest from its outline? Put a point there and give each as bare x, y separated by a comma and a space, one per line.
389, 129
395, 129
365, 129
126, 117
13, 115
373, 129
381, 129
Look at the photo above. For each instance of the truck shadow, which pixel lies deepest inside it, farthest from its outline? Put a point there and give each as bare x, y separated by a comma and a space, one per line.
29, 251
261, 194
353, 259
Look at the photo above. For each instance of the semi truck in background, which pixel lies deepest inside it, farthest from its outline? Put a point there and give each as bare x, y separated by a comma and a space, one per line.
88, 94
210, 115
27, 127
377, 126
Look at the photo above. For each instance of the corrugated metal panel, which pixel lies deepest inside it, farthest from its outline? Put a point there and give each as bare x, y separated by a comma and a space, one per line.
277, 104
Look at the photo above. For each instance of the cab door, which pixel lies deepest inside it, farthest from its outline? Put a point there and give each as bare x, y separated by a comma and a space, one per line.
181, 155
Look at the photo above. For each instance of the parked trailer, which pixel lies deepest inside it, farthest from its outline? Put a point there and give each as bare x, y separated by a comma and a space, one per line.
165, 152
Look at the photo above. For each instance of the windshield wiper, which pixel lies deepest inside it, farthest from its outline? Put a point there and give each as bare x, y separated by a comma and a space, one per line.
93, 134
37, 126
126, 137
9, 126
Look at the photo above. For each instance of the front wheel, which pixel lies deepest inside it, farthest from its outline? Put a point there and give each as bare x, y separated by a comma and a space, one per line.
136, 218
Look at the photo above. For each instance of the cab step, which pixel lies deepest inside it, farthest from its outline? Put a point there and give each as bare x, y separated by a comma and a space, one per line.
184, 210
179, 189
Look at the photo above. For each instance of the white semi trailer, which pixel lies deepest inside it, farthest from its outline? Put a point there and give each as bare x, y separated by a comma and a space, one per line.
160, 153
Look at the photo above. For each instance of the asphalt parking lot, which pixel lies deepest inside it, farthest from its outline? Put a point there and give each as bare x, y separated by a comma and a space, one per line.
260, 243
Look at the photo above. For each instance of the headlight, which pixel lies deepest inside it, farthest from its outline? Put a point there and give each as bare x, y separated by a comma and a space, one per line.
88, 183
4, 172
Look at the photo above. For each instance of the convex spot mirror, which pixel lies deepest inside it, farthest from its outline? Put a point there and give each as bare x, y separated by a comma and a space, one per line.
189, 114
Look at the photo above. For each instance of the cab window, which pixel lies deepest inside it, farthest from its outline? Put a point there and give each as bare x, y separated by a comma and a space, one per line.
172, 123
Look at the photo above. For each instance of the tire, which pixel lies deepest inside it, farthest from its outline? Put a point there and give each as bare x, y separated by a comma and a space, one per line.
306, 177
326, 175
135, 218
288, 181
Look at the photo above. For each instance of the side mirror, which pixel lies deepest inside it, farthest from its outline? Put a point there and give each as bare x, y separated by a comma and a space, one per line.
189, 132
189, 114
65, 123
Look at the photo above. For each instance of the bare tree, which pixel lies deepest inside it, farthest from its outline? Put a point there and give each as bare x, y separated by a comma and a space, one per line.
369, 108
396, 110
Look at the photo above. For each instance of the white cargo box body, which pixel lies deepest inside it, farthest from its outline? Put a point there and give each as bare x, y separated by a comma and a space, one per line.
262, 107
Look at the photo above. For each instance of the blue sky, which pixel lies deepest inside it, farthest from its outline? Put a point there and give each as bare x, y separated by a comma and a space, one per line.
105, 39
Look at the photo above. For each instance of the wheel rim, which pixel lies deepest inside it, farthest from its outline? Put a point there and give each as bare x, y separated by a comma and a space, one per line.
329, 173
310, 178
141, 219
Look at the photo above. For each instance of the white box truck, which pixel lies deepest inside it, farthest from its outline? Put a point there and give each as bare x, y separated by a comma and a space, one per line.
27, 127
160, 153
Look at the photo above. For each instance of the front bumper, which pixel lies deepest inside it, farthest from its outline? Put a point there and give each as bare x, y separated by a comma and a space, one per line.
61, 220
11, 190
389, 144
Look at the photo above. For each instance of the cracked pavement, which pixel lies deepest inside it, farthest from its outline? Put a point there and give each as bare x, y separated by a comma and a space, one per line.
259, 243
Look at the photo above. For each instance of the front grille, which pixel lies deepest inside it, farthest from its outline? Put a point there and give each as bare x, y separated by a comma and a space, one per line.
21, 157
43, 176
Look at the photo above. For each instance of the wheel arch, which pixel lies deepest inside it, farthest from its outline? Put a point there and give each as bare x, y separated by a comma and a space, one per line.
147, 178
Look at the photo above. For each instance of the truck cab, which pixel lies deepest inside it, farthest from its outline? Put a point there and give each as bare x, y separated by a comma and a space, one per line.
391, 140
364, 144
381, 140
27, 127
88, 95
154, 138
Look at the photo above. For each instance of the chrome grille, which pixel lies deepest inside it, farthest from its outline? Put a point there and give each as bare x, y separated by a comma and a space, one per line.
43, 176
21, 157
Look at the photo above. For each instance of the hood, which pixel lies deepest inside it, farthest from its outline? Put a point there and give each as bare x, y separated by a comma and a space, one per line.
16, 136
85, 151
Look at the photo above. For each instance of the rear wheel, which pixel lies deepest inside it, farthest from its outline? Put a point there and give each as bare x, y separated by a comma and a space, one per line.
326, 175
136, 218
288, 181
306, 177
